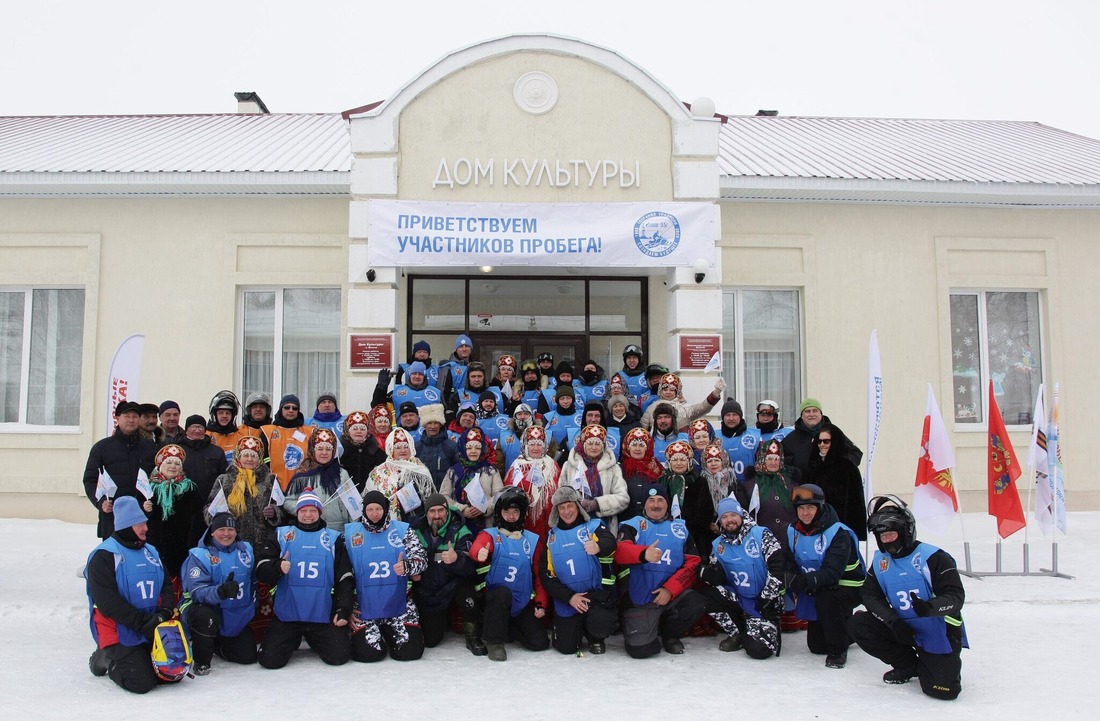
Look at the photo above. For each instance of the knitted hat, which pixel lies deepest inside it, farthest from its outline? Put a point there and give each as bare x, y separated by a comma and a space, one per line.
564, 389
670, 380
407, 407
289, 399
308, 498
487, 396
732, 406
436, 499
169, 451
193, 421
616, 399
809, 403
433, 412
222, 520
127, 513
418, 367
422, 345
729, 505
327, 396
564, 367
379, 498
167, 405
656, 489
357, 418
463, 340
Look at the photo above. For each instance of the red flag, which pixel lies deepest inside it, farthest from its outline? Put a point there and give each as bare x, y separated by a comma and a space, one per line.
1004, 469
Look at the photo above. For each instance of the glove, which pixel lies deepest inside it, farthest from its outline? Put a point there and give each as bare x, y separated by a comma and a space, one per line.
797, 583
384, 377
591, 505
719, 385
229, 589
269, 512
920, 606
770, 607
149, 627
903, 633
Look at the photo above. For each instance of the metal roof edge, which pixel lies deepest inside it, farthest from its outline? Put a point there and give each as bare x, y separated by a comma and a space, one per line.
42, 185
909, 192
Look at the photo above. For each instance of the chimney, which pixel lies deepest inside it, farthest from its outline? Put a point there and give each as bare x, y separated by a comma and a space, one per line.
250, 104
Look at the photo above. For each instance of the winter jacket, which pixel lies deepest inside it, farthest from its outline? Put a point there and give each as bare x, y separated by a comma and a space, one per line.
121, 456
614, 498
438, 453
437, 584
798, 446
204, 463
360, 460
252, 526
842, 483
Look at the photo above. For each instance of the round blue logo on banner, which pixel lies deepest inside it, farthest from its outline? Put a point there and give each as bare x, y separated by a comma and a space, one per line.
657, 234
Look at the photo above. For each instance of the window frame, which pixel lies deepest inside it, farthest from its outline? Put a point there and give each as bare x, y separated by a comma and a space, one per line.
739, 384
22, 425
984, 373
277, 391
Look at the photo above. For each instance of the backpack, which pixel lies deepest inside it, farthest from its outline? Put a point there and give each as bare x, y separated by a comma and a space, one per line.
171, 652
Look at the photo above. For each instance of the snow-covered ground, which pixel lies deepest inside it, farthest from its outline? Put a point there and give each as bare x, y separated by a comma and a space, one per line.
1035, 644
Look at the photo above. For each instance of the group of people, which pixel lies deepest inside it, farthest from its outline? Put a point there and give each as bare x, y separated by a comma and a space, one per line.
365, 534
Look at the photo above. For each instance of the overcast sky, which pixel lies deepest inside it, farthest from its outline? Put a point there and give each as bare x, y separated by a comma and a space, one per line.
977, 59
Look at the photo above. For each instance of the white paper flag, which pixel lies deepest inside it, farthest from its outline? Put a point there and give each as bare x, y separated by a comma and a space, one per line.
350, 498
475, 494
581, 483
143, 484
409, 498
105, 486
715, 363
277, 495
219, 504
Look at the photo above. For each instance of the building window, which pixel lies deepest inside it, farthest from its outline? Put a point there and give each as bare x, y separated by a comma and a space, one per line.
761, 349
995, 334
41, 346
291, 343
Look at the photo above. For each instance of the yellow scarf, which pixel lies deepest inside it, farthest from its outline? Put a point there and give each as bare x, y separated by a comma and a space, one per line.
245, 485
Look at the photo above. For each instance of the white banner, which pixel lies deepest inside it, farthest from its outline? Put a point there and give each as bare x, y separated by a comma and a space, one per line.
124, 378
419, 233
874, 410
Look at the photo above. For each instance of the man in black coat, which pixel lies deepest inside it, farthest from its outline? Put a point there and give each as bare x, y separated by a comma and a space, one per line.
121, 454
205, 461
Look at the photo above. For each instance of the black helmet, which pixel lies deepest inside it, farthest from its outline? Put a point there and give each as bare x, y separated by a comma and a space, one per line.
546, 357
511, 497
808, 494
889, 513
632, 349
224, 400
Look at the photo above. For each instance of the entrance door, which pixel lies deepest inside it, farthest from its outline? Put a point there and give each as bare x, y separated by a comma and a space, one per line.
489, 347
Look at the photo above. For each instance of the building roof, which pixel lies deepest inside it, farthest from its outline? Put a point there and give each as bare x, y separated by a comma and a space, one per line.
152, 154
899, 160
872, 160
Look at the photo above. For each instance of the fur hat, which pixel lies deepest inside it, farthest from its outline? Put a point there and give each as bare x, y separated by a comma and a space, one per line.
566, 494
664, 409
127, 512
433, 412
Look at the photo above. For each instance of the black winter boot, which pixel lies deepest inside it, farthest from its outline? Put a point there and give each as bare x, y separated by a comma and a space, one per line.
473, 639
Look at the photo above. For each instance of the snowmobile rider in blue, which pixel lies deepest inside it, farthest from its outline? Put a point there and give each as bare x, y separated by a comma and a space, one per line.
914, 597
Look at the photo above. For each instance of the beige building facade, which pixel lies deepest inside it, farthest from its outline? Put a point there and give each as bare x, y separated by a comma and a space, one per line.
256, 270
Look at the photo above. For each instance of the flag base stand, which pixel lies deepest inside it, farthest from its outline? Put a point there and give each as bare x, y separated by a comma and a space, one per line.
999, 567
